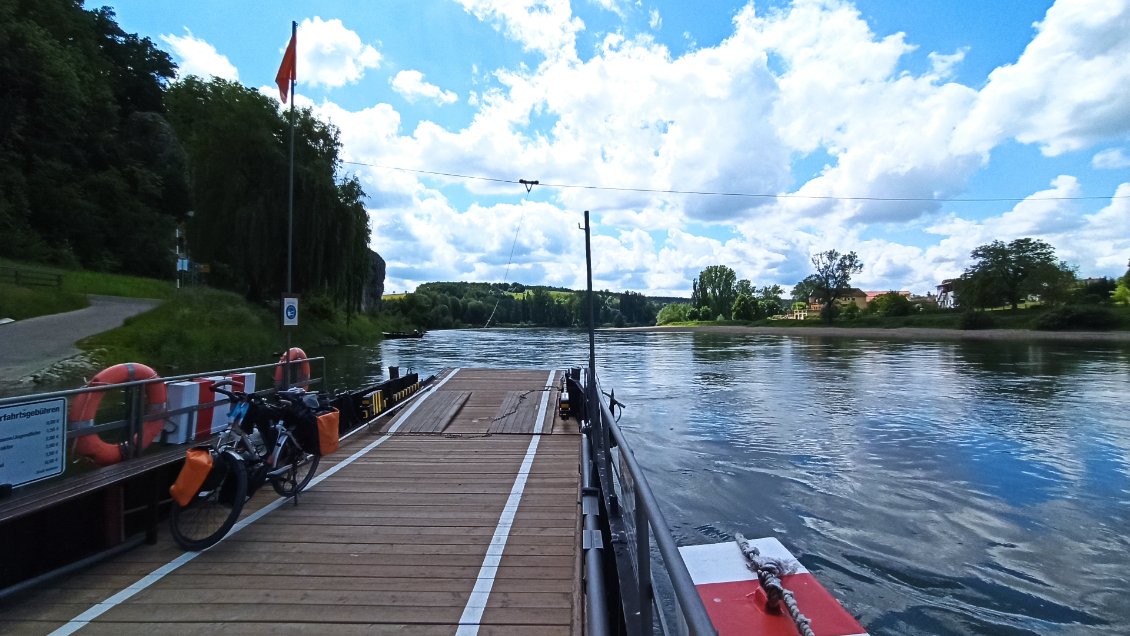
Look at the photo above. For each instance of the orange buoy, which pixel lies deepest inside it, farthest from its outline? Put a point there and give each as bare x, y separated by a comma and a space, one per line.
85, 406
300, 374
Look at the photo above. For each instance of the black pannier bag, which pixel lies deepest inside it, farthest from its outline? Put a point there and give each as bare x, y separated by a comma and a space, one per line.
303, 423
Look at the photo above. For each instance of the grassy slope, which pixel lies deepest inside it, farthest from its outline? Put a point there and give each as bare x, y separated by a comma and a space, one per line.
27, 302
19, 303
201, 328
84, 282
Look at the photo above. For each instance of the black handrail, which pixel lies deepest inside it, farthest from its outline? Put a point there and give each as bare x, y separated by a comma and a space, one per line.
693, 610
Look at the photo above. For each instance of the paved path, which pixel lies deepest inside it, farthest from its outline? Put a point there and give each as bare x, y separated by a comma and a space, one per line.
27, 346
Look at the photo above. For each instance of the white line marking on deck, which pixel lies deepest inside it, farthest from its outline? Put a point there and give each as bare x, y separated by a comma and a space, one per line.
473, 612
144, 582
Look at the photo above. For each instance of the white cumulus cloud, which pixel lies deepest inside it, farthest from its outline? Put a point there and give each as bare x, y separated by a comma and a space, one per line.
544, 26
1067, 91
1111, 159
809, 80
197, 57
331, 55
411, 86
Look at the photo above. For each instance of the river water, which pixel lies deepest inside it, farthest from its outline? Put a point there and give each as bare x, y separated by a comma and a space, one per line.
934, 487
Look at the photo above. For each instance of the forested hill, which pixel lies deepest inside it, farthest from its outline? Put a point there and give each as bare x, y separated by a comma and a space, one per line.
444, 305
103, 157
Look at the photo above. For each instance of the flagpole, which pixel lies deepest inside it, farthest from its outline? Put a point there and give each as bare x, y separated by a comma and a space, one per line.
290, 202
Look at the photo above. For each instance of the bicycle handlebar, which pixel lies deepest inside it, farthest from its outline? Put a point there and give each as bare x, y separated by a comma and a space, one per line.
235, 395
240, 396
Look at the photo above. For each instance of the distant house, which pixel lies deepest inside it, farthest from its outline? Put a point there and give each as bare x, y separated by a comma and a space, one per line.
947, 297
872, 295
853, 296
929, 301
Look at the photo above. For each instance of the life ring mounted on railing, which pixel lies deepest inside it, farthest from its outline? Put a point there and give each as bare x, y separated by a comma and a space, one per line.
300, 373
85, 406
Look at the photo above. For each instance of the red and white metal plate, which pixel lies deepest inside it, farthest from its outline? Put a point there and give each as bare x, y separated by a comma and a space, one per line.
736, 603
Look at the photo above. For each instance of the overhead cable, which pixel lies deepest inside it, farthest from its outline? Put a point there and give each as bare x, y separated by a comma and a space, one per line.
750, 195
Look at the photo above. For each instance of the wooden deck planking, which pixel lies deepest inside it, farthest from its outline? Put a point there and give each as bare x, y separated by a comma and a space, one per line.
394, 540
436, 413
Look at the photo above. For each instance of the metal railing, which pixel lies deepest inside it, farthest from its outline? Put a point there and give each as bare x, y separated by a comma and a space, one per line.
135, 415
633, 523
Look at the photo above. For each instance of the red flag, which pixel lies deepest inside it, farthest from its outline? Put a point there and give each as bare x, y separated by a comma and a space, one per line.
286, 73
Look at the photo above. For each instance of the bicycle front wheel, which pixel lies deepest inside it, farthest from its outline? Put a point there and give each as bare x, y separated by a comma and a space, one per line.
300, 467
211, 513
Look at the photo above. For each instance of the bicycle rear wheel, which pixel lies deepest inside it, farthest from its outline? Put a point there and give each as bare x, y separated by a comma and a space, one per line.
300, 468
211, 513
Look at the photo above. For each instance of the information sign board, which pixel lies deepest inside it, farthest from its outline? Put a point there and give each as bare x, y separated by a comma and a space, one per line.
32, 441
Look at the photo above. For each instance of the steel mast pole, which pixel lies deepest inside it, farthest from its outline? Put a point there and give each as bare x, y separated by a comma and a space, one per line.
290, 193
290, 204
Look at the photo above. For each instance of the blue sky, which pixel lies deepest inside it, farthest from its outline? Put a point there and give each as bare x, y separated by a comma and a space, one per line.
834, 107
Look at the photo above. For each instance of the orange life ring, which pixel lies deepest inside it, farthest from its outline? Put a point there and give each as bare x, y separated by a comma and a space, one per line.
303, 375
85, 406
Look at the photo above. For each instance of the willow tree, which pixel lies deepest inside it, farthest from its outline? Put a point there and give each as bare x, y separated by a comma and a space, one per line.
237, 141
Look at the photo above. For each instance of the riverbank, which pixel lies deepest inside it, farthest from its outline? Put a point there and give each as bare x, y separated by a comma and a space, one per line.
902, 333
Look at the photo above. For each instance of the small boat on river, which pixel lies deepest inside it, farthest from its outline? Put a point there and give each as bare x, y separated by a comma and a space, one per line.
395, 335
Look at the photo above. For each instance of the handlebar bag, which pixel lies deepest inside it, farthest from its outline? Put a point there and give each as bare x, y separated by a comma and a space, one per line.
198, 464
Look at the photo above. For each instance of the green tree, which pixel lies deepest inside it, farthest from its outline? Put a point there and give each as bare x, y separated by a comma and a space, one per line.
715, 290
1121, 294
1008, 273
237, 142
805, 290
890, 304
675, 312
745, 308
832, 279
89, 172
770, 299
637, 309
1094, 292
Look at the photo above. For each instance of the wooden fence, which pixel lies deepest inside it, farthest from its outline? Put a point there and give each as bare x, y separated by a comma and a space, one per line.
29, 278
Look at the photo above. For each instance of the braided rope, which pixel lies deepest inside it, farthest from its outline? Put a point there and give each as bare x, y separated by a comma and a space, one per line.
769, 572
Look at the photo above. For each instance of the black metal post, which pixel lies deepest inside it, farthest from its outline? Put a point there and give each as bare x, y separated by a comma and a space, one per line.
593, 395
135, 409
643, 561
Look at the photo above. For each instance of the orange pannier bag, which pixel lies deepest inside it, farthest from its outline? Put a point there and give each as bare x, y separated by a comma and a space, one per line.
328, 432
197, 465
